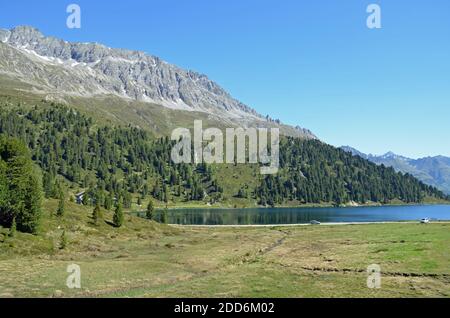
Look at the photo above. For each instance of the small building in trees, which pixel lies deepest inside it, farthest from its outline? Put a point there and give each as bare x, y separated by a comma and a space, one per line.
79, 197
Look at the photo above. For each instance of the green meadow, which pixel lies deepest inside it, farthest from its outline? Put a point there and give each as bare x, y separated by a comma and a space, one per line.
147, 259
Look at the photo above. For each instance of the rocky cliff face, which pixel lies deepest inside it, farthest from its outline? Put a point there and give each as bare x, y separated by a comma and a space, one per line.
90, 69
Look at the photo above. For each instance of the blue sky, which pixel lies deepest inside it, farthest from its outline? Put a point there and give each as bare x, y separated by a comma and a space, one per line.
308, 63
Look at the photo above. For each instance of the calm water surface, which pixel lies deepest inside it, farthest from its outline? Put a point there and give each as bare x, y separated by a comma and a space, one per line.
259, 216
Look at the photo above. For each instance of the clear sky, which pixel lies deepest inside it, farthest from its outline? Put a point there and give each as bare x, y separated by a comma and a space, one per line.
308, 63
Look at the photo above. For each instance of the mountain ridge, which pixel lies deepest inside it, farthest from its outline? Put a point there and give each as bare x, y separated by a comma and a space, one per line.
61, 69
432, 170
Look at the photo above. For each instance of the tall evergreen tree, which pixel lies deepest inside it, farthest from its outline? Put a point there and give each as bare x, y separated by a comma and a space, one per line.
96, 214
20, 186
164, 215
108, 201
63, 240
118, 215
12, 230
150, 210
61, 205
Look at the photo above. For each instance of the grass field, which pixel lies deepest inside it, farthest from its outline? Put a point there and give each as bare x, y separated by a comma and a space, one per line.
146, 259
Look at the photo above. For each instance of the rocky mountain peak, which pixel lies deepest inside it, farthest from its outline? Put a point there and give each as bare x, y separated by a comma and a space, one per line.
63, 68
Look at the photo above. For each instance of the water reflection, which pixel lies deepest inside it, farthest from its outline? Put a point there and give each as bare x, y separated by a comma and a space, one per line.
303, 215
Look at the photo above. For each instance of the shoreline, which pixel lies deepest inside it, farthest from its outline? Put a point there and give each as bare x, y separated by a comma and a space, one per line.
318, 206
303, 224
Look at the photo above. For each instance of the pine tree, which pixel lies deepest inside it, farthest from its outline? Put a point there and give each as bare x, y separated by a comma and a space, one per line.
96, 214
12, 230
20, 186
150, 210
118, 216
63, 241
108, 201
164, 215
61, 206
5, 217
166, 193
48, 184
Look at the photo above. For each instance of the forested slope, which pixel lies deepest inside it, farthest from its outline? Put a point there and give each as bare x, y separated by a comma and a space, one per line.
110, 162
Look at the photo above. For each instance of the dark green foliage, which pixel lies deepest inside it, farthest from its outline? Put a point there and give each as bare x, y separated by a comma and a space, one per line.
127, 200
112, 162
314, 172
96, 214
13, 228
117, 160
242, 193
108, 201
164, 215
118, 215
20, 187
61, 206
63, 240
85, 199
150, 210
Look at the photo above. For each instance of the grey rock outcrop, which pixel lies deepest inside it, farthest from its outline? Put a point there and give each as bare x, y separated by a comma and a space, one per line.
91, 69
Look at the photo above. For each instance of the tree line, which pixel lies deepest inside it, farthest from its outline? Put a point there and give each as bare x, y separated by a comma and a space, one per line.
314, 172
110, 162
113, 164
20, 187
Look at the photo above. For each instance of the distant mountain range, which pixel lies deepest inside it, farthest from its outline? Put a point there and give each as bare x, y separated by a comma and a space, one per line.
434, 171
63, 71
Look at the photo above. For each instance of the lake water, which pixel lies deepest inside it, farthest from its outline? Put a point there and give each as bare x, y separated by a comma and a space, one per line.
261, 216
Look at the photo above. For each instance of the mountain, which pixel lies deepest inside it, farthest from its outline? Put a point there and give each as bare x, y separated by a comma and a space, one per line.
89, 115
354, 151
63, 71
434, 171
80, 154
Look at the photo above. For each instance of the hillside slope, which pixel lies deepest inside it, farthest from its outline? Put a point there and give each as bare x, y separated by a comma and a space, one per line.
434, 171
80, 153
